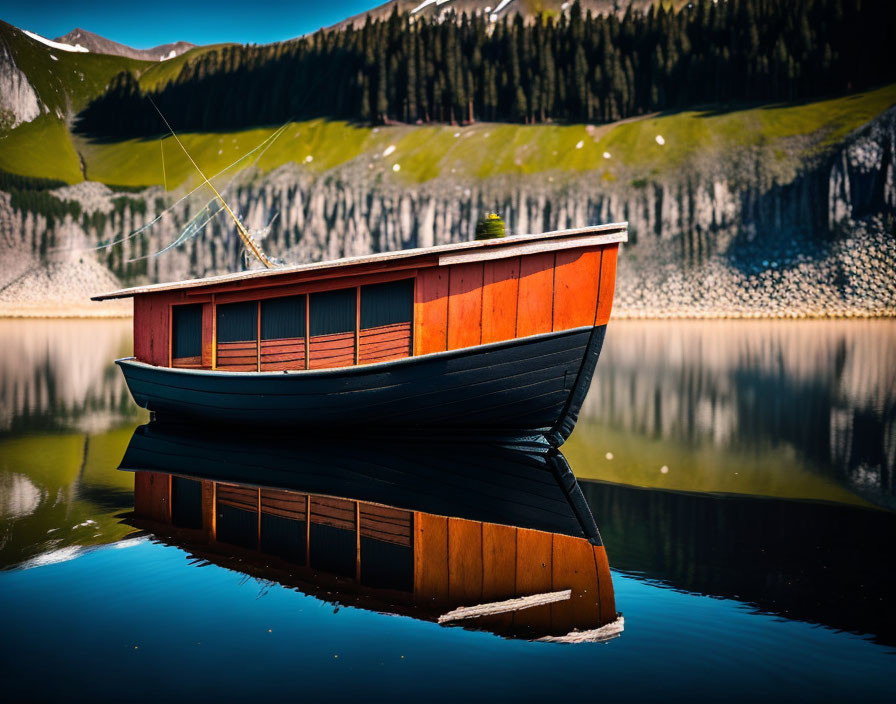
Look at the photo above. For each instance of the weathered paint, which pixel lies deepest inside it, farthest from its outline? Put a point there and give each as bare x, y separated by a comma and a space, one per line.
456, 306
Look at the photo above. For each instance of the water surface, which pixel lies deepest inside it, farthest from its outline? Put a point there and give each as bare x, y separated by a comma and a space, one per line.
741, 475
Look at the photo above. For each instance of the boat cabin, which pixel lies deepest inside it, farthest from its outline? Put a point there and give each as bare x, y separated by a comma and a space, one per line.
511, 580
380, 307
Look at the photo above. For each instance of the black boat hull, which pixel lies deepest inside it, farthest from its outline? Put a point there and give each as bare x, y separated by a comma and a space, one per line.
532, 384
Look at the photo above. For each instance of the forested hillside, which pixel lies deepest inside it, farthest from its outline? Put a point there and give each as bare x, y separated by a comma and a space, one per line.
577, 69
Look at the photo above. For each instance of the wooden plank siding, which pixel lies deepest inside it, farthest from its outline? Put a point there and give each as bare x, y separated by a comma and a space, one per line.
430, 559
241, 497
152, 496
431, 311
447, 562
286, 504
573, 567
607, 284
238, 356
535, 305
500, 283
279, 355
336, 513
454, 306
385, 342
334, 350
465, 565
576, 277
534, 567
152, 315
519, 296
390, 525
465, 305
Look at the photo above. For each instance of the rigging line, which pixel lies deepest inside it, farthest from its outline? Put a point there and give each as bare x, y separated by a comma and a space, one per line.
185, 234
265, 144
164, 175
320, 77
244, 234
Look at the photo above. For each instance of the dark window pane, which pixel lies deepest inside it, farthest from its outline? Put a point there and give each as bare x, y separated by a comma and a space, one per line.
284, 537
187, 330
186, 502
283, 317
333, 550
237, 527
386, 565
385, 304
332, 312
237, 321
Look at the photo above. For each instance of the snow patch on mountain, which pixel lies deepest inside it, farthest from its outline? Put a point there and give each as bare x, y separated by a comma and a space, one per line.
55, 45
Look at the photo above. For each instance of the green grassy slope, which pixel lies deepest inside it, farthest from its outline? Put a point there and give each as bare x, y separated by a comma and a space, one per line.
65, 83
628, 149
487, 149
41, 148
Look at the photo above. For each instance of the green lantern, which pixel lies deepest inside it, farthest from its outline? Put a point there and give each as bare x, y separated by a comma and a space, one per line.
490, 227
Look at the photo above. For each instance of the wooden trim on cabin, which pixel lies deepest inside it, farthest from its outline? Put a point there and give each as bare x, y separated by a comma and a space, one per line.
358, 541
357, 324
214, 333
522, 250
214, 525
333, 283
258, 517
307, 331
607, 234
454, 307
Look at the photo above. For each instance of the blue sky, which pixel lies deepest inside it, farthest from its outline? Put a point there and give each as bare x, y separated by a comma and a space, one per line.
153, 22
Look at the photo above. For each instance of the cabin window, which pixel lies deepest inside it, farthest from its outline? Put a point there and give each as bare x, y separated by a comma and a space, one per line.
283, 333
186, 502
333, 317
283, 318
236, 509
387, 313
284, 528
186, 331
333, 538
386, 541
237, 332
237, 322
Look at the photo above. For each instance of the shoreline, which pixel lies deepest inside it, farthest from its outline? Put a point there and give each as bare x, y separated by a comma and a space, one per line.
121, 312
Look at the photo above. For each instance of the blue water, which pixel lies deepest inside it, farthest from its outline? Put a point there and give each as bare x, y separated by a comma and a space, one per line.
725, 598
149, 626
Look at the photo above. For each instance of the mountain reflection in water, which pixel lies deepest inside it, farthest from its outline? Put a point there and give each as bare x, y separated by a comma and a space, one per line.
757, 566
57, 374
802, 410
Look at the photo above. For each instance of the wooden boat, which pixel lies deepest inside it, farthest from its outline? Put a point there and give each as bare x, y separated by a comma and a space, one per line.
416, 527
501, 334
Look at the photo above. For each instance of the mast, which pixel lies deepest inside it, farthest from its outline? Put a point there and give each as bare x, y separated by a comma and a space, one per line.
248, 240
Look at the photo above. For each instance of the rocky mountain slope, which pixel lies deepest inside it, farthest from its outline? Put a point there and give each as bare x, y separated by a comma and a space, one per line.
718, 239
494, 9
100, 45
762, 210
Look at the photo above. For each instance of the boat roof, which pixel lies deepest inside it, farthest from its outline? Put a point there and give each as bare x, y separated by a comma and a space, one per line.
487, 249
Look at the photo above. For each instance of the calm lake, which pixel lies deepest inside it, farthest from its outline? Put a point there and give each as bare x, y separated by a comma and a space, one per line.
741, 475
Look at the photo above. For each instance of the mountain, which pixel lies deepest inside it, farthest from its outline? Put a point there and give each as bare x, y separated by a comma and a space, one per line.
100, 45
781, 205
495, 9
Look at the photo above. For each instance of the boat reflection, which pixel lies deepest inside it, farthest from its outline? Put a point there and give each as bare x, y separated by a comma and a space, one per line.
486, 533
